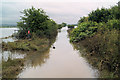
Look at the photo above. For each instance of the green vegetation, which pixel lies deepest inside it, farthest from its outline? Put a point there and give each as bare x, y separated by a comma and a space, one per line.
42, 32
71, 26
99, 35
100, 15
38, 23
37, 44
11, 68
84, 30
36, 47
61, 25
83, 19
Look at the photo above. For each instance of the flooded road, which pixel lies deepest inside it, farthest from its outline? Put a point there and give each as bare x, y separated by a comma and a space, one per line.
61, 62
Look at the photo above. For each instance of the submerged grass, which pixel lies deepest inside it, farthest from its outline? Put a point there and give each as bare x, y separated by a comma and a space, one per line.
11, 68
37, 44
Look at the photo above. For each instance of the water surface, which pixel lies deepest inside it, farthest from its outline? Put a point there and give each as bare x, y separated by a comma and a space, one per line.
6, 32
61, 62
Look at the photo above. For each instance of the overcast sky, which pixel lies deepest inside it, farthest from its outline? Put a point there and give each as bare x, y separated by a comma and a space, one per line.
68, 11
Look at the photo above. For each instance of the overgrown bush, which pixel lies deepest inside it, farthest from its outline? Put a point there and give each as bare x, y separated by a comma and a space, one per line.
100, 15
37, 22
83, 30
99, 35
115, 12
113, 24
83, 19
61, 25
70, 26
102, 51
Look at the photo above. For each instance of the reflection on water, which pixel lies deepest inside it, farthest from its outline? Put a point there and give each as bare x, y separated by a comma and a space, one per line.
36, 58
12, 55
9, 40
5, 32
61, 62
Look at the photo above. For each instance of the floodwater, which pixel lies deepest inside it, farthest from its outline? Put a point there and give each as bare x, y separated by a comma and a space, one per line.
61, 62
6, 32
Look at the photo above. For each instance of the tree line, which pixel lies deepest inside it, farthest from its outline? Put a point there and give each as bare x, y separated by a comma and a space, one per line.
99, 33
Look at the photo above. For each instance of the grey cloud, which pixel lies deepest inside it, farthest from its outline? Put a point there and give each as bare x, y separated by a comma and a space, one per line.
69, 12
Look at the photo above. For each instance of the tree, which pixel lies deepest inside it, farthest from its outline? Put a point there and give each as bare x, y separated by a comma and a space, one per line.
115, 11
61, 25
100, 15
64, 24
83, 19
37, 22
32, 19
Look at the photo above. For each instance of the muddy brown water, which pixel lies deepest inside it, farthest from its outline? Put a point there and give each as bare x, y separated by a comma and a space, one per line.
61, 62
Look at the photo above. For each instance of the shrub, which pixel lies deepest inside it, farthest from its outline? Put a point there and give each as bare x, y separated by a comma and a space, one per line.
70, 26
113, 24
37, 22
83, 19
85, 29
115, 12
100, 15
102, 52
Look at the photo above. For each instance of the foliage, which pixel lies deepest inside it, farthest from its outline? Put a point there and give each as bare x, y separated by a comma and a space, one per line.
61, 25
99, 35
103, 15
70, 26
101, 54
96, 20
100, 15
11, 68
113, 24
64, 24
83, 19
83, 30
36, 44
38, 22
115, 11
